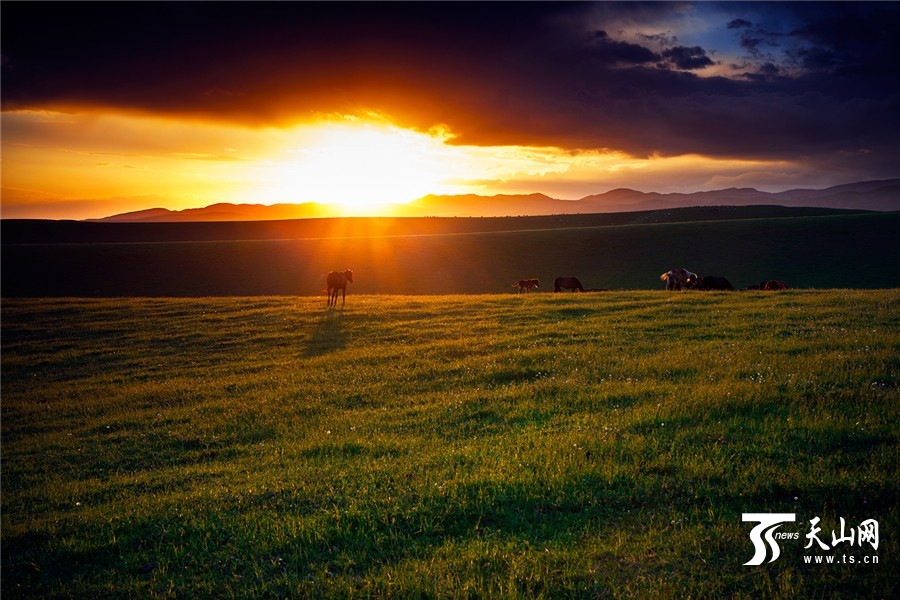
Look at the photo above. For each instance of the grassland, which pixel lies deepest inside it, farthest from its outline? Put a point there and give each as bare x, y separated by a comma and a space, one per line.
844, 251
534, 445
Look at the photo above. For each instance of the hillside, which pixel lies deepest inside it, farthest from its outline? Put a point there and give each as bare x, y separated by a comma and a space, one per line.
867, 195
222, 211
842, 251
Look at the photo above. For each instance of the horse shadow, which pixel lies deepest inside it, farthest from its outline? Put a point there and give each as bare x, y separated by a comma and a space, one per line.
328, 335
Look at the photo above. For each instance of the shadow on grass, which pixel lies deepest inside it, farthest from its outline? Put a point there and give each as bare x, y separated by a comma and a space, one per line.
328, 335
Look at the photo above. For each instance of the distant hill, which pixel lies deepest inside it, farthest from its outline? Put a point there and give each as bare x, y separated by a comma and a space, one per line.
867, 195
224, 211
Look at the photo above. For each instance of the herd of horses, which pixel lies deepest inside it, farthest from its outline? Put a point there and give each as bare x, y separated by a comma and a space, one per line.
559, 284
682, 279
676, 279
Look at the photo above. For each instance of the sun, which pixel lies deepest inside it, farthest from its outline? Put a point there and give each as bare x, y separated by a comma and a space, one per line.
360, 166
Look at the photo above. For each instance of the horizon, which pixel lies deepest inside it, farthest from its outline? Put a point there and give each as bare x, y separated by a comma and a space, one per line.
646, 202
327, 210
363, 106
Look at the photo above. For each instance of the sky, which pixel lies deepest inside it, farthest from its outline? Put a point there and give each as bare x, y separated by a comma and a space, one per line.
109, 107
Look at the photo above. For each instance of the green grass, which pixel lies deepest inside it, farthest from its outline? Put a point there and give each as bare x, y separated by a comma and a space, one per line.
465, 446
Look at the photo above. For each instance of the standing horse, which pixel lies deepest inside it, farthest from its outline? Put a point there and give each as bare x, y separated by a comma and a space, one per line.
569, 283
338, 280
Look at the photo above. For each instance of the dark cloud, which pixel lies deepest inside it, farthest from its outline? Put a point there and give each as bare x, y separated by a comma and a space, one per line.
685, 57
617, 52
760, 43
815, 58
660, 39
764, 72
751, 43
837, 39
556, 74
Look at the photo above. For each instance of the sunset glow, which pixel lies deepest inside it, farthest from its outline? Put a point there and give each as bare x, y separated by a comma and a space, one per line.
357, 166
94, 165
366, 106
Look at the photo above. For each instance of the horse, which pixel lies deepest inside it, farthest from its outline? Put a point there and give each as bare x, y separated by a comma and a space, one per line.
711, 282
569, 283
679, 279
338, 280
526, 285
773, 285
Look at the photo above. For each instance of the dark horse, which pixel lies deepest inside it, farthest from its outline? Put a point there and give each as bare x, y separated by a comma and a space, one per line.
711, 282
338, 280
773, 285
569, 283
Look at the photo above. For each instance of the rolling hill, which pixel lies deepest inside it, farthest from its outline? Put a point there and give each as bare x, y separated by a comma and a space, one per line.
869, 195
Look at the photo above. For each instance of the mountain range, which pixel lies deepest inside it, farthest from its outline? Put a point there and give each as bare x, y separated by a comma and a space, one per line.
881, 195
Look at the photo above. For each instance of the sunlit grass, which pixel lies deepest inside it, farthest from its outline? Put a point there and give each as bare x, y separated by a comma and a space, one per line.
595, 444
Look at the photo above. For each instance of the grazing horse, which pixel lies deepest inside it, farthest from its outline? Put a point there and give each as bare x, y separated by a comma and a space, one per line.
338, 280
679, 279
569, 283
711, 282
526, 285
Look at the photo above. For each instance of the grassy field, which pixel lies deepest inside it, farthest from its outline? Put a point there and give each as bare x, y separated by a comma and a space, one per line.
846, 251
468, 446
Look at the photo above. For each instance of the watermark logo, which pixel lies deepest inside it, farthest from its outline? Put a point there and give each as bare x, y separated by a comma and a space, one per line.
765, 537
768, 523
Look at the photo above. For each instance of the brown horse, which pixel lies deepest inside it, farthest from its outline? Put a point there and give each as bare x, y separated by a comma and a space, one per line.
526, 285
338, 280
569, 283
